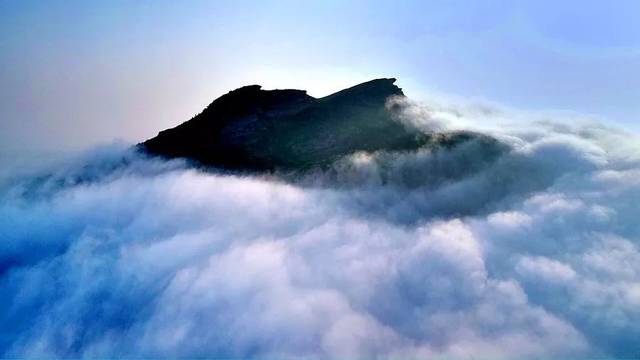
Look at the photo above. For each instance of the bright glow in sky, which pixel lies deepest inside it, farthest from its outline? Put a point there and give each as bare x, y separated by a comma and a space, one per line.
77, 73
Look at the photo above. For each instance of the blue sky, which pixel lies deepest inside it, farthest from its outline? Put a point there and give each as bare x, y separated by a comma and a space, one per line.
76, 73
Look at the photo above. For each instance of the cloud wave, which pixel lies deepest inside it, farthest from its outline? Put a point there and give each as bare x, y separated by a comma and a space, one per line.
526, 247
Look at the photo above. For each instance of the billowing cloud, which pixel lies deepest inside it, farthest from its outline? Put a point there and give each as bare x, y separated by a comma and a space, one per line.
524, 247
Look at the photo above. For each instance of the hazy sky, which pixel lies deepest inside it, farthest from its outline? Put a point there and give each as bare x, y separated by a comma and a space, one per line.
76, 73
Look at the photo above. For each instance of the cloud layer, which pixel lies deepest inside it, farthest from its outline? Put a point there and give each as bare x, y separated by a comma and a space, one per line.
527, 247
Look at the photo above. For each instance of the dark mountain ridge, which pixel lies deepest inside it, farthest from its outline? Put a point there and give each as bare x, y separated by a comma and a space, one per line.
252, 129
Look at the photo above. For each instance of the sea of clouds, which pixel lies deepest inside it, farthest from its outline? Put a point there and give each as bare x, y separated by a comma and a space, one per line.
524, 247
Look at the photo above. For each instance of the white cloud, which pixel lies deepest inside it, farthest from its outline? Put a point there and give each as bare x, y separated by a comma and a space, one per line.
528, 249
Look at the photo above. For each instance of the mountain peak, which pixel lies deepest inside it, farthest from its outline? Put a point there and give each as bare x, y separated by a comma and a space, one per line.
373, 90
254, 129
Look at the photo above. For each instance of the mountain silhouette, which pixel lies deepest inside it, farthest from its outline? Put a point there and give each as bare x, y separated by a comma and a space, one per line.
252, 129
